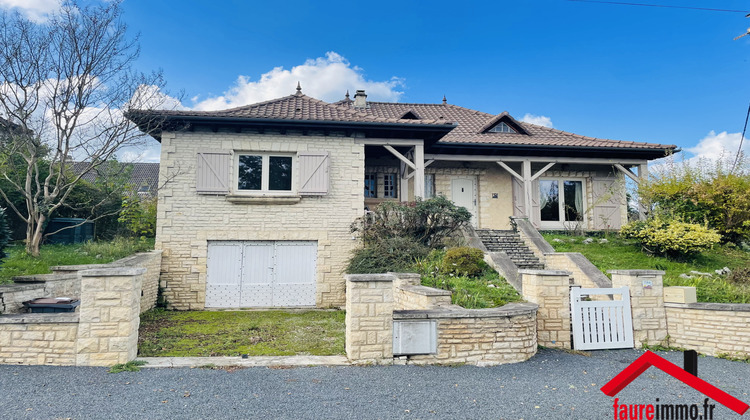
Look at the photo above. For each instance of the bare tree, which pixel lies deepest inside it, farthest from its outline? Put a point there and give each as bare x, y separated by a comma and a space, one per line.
64, 87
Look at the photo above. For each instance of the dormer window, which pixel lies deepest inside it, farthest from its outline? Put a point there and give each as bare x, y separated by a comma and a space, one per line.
501, 128
410, 115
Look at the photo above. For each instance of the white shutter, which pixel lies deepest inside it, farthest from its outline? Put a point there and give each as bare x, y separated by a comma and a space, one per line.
608, 202
519, 202
313, 173
212, 172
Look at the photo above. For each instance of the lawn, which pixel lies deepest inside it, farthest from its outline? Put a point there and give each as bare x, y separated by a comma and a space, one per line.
626, 254
19, 263
234, 333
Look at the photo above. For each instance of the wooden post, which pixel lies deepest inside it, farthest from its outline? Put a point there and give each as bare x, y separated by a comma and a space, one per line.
643, 176
527, 190
419, 171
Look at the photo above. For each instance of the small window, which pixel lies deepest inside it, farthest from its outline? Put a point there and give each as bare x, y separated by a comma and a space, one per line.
429, 186
261, 172
501, 128
144, 189
389, 186
371, 185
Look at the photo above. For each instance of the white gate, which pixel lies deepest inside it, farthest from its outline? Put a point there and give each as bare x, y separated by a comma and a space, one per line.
244, 274
601, 324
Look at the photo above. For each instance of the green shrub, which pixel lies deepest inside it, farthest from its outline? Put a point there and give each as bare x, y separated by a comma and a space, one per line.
429, 222
389, 254
673, 238
701, 193
139, 217
5, 234
463, 261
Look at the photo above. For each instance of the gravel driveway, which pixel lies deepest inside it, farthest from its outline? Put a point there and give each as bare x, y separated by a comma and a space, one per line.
552, 385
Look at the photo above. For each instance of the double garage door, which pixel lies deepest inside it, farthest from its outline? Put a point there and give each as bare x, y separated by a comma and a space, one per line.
242, 274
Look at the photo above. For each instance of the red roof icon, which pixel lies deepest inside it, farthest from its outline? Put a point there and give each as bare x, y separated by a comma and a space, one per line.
649, 359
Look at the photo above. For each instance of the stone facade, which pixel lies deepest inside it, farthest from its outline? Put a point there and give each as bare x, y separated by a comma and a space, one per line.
369, 317
550, 289
647, 303
186, 220
710, 328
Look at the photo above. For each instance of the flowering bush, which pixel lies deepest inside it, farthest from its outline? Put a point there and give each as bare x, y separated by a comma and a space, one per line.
673, 238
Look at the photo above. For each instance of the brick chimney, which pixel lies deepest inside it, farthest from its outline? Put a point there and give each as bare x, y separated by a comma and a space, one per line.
360, 99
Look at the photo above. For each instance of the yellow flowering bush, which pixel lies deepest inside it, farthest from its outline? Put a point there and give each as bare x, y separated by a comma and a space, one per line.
673, 238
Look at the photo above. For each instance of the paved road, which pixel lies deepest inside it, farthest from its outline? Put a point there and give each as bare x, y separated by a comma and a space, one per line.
552, 385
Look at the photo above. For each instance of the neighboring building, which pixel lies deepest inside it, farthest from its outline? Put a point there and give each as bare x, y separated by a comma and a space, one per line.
143, 177
260, 198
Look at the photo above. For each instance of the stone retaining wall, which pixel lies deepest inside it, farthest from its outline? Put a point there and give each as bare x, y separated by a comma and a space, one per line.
550, 289
483, 337
710, 328
103, 331
475, 336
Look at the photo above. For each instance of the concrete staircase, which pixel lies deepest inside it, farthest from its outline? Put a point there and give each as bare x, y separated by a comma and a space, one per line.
510, 242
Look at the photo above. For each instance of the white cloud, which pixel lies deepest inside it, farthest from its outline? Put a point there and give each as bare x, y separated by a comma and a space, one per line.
149, 153
326, 78
537, 120
35, 10
718, 146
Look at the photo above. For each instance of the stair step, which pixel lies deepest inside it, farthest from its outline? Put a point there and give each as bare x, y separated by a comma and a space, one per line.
509, 242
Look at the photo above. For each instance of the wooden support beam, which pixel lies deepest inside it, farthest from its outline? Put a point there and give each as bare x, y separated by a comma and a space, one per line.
401, 157
627, 172
419, 171
509, 169
543, 170
527, 190
429, 162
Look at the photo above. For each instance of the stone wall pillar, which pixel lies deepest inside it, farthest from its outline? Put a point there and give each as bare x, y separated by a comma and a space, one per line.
369, 318
550, 289
109, 316
647, 303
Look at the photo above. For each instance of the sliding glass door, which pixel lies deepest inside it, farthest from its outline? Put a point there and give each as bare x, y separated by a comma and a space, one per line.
561, 202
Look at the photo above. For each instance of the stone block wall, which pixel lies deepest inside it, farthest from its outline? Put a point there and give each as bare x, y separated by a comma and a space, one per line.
483, 337
550, 289
710, 328
369, 317
477, 336
420, 297
38, 339
186, 221
103, 331
646, 302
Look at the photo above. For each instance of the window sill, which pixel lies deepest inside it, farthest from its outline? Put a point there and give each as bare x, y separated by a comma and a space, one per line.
265, 199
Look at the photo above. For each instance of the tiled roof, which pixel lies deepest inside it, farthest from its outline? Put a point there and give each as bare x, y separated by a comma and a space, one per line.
297, 107
470, 126
141, 173
473, 124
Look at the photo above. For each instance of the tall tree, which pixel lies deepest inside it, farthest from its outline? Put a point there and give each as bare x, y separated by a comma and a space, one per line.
64, 86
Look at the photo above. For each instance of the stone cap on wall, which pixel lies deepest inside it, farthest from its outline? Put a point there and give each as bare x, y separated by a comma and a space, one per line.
113, 271
368, 277
638, 272
405, 275
510, 309
545, 272
20, 287
425, 291
40, 318
122, 261
42, 278
711, 306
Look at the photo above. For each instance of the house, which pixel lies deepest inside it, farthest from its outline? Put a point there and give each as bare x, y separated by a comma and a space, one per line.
260, 198
142, 177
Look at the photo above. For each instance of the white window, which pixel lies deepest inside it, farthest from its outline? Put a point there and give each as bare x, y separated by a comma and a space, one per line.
264, 172
501, 128
389, 186
561, 202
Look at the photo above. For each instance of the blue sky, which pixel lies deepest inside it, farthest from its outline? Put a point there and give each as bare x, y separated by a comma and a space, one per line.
650, 74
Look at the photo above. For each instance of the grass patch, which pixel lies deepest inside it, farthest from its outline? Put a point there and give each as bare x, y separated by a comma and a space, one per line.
19, 263
487, 290
619, 254
131, 366
234, 333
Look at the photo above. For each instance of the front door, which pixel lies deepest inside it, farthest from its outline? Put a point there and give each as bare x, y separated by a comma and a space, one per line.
464, 194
